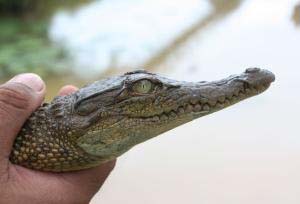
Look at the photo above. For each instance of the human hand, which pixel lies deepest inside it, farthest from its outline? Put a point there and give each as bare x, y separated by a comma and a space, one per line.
19, 97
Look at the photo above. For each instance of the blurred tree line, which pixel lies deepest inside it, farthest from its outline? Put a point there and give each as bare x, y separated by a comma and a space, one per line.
36, 8
24, 43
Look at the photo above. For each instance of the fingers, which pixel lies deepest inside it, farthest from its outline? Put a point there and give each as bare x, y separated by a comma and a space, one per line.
66, 90
19, 97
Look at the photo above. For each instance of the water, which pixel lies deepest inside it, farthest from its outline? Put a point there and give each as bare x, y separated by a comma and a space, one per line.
249, 153
122, 34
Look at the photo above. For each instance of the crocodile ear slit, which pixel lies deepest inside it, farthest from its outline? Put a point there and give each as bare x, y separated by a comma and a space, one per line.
93, 118
85, 109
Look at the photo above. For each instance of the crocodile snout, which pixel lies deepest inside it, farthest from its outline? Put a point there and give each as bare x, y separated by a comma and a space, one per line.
258, 77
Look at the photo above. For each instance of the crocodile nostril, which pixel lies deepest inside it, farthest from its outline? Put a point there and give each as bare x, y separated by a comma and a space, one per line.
252, 70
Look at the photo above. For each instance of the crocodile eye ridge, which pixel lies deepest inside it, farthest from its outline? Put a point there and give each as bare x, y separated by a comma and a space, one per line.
143, 86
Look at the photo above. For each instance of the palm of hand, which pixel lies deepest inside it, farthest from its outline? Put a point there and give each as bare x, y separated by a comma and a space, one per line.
74, 187
21, 185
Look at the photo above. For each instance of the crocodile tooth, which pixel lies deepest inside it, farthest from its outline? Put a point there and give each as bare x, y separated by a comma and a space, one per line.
221, 99
172, 114
180, 110
189, 108
266, 85
194, 101
155, 118
206, 107
197, 107
242, 95
212, 102
220, 105
257, 87
234, 98
255, 90
204, 100
248, 91
229, 95
164, 117
236, 92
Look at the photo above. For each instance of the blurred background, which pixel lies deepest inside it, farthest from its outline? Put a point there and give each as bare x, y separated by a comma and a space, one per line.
249, 153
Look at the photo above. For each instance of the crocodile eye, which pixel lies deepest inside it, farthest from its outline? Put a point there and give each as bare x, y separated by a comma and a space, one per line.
143, 86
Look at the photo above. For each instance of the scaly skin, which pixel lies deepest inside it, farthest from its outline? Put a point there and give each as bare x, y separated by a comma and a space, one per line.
106, 118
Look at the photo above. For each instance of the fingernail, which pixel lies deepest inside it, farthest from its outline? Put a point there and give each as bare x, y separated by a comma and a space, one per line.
31, 80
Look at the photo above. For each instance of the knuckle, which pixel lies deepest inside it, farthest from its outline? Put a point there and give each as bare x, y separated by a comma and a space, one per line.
15, 97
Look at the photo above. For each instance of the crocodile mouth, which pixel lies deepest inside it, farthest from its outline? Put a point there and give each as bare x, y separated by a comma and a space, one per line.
198, 99
197, 107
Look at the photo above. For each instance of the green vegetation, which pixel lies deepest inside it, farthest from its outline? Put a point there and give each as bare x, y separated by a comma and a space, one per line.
25, 48
24, 44
35, 8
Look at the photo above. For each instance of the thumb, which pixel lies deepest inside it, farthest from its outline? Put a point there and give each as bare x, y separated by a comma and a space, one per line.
19, 97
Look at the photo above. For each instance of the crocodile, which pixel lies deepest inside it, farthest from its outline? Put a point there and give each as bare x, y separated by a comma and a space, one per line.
104, 119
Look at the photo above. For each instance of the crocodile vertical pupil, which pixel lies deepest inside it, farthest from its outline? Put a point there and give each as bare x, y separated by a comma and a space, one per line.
143, 86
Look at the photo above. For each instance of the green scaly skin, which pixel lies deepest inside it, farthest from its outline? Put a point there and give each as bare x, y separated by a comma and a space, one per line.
103, 120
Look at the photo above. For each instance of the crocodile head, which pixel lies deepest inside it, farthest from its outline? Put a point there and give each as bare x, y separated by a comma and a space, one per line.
111, 116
